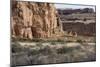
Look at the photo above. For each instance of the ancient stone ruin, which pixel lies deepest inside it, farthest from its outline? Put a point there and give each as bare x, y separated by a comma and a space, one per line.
34, 20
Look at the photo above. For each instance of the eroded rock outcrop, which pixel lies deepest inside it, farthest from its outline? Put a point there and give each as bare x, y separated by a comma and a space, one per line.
34, 20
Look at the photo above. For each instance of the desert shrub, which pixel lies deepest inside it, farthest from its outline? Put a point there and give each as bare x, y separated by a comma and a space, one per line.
13, 39
20, 39
16, 47
47, 50
64, 50
20, 60
53, 43
51, 40
37, 40
33, 52
28, 40
79, 40
39, 44
59, 40
77, 47
63, 42
69, 41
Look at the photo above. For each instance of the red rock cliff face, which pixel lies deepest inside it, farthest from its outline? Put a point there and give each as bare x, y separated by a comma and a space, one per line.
33, 20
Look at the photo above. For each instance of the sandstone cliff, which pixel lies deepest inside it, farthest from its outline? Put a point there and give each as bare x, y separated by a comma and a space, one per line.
80, 21
34, 20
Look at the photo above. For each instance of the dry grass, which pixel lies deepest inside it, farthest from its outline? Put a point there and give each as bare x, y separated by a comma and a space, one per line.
47, 54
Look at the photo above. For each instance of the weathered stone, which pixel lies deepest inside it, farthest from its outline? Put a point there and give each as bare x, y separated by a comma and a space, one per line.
33, 20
